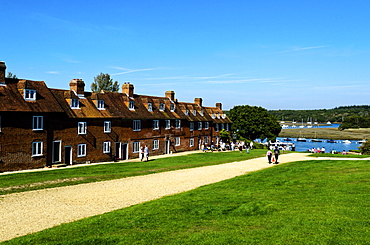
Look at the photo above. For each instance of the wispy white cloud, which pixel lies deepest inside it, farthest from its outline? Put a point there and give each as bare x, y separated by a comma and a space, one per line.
52, 72
304, 48
126, 70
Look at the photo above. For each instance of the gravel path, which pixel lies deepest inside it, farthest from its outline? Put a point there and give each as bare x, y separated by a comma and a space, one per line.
32, 211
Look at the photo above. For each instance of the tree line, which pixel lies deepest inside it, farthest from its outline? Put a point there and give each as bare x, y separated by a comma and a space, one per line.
337, 114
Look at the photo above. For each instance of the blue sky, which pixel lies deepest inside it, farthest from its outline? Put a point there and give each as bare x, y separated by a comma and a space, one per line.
278, 54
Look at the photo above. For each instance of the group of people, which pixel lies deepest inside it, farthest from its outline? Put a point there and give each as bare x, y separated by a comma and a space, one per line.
232, 146
144, 153
317, 150
273, 156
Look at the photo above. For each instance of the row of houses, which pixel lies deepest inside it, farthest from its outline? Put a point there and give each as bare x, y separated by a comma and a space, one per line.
41, 126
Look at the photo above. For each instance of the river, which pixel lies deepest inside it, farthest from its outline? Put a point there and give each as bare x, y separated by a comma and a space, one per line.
339, 146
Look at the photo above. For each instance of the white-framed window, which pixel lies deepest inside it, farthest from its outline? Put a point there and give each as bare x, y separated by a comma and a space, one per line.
81, 150
201, 113
186, 112
107, 126
168, 124
226, 126
172, 107
191, 126
37, 148
155, 124
155, 144
218, 115
131, 105
82, 127
213, 115
136, 147
223, 116
106, 147
194, 112
150, 106
136, 125
222, 126
206, 125
191, 142
216, 127
30, 94
101, 105
37, 122
75, 104
161, 107
200, 125
177, 123
177, 141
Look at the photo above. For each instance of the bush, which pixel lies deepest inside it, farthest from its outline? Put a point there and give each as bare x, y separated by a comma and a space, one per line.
365, 148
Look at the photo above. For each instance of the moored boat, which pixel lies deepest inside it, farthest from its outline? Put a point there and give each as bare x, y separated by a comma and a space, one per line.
331, 141
301, 140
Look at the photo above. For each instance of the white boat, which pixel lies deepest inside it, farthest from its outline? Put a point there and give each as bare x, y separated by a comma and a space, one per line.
361, 141
346, 142
328, 123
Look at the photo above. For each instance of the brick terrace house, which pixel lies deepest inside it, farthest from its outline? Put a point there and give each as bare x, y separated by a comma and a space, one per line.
41, 126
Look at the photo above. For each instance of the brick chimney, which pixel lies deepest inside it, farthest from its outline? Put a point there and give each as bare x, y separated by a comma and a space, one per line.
2, 71
170, 95
77, 85
128, 89
219, 106
198, 101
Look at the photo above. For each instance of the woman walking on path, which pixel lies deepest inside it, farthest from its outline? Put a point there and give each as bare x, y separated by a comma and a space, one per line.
269, 156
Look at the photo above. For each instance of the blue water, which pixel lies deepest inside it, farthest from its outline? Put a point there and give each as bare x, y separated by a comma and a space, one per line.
339, 146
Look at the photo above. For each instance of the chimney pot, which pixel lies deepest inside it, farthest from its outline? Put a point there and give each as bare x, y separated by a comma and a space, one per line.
128, 89
2, 71
198, 101
77, 85
170, 95
219, 106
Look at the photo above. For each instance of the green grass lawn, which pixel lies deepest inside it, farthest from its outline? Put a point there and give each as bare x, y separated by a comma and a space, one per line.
338, 155
91, 173
311, 202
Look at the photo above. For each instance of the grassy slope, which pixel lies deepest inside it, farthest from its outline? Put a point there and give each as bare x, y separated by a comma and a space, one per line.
91, 173
313, 202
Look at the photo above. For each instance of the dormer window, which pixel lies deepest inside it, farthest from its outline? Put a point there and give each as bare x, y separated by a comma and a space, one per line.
201, 113
194, 112
172, 107
186, 112
75, 104
213, 115
101, 104
131, 105
223, 116
161, 107
150, 107
30, 94
218, 116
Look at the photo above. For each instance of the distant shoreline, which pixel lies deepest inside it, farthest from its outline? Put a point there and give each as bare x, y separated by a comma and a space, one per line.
326, 133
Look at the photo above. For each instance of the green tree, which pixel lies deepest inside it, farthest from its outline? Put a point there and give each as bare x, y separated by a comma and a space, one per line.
225, 136
11, 75
252, 122
104, 82
365, 148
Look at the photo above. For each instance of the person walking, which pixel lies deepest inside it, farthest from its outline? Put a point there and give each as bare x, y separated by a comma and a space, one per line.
276, 153
146, 154
141, 153
269, 156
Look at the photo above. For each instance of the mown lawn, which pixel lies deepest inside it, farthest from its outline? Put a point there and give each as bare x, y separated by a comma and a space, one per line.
311, 202
19, 182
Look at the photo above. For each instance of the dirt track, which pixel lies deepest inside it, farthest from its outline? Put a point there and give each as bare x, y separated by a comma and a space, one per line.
29, 212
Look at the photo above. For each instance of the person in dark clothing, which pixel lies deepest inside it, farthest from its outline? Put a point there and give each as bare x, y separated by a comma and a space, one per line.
276, 153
